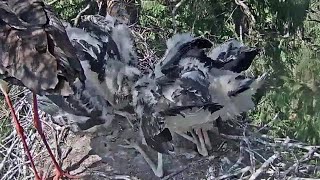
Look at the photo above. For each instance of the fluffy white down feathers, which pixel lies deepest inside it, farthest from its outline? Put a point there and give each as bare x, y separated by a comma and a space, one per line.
231, 91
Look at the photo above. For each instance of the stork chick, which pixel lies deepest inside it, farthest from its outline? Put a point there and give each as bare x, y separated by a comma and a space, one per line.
106, 51
211, 80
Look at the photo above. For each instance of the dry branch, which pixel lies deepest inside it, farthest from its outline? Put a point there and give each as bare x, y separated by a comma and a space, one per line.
264, 166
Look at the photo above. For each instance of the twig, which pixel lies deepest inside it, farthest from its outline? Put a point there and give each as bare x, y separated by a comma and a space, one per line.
9, 137
246, 10
232, 137
264, 166
11, 148
78, 17
241, 171
52, 2
305, 158
272, 121
241, 157
174, 10
174, 173
101, 174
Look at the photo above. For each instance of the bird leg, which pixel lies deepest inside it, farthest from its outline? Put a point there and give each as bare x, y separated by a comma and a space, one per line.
18, 127
200, 146
204, 151
37, 124
206, 139
157, 170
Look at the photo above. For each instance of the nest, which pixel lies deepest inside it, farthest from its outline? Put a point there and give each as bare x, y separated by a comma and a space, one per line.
247, 154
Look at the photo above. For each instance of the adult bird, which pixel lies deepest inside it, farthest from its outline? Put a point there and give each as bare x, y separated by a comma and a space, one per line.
36, 53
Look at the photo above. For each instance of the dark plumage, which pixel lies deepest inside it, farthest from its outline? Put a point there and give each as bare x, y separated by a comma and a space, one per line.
124, 10
84, 111
236, 56
34, 49
183, 49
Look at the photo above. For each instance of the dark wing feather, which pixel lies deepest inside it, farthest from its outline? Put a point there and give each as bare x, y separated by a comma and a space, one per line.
195, 87
178, 110
193, 93
156, 136
242, 61
234, 55
35, 49
194, 48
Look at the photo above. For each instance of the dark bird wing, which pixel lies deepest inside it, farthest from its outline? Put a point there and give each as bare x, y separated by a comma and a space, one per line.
34, 49
152, 125
104, 50
181, 46
235, 56
154, 132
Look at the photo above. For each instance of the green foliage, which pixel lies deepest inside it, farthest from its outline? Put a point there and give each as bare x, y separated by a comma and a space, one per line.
289, 41
68, 9
295, 81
